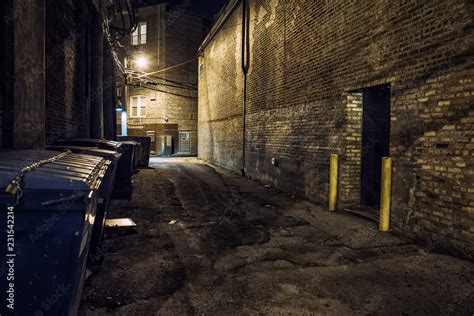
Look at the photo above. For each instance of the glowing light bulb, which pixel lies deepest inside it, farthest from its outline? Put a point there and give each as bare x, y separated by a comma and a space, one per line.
141, 62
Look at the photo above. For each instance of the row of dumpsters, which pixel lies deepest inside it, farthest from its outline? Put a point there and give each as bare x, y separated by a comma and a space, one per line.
54, 206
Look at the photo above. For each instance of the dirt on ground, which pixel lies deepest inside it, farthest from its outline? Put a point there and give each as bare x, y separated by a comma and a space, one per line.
210, 242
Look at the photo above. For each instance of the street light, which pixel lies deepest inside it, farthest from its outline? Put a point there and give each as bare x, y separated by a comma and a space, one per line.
141, 62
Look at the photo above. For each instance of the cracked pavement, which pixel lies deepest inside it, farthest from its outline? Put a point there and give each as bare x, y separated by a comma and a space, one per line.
211, 242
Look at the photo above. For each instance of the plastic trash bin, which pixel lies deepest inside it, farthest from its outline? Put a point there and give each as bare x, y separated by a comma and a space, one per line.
53, 220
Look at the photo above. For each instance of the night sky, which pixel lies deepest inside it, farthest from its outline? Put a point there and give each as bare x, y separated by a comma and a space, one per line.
207, 8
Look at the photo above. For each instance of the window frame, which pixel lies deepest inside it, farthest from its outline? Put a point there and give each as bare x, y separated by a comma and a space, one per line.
141, 106
139, 36
143, 35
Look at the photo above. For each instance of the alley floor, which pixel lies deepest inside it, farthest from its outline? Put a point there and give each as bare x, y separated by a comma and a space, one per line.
210, 242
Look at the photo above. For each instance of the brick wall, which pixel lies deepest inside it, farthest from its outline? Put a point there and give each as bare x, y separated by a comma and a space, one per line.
63, 109
173, 39
307, 59
66, 58
184, 34
220, 98
70, 26
350, 170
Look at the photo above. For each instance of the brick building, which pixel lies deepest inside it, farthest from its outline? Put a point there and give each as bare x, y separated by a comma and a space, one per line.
360, 79
57, 68
161, 93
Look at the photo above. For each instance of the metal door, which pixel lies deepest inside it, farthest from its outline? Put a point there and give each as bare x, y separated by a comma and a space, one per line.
166, 145
152, 135
184, 142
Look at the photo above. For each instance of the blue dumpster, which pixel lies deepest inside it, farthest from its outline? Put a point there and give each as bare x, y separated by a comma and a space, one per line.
105, 190
126, 163
144, 148
134, 148
48, 203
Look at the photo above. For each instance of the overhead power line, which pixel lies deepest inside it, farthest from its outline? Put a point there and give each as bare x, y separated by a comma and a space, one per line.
167, 92
166, 69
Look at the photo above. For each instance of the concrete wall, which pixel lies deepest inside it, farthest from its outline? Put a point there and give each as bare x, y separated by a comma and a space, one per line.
307, 58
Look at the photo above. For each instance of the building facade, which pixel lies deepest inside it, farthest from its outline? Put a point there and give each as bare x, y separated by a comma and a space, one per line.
58, 79
360, 79
161, 88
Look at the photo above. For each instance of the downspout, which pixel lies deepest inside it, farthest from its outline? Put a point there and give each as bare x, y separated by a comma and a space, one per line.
245, 69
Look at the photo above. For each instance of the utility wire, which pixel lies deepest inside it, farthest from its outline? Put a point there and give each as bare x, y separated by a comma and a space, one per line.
180, 83
166, 69
167, 92
170, 85
113, 34
155, 77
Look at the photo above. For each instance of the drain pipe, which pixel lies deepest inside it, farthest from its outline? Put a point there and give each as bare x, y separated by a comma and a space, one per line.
245, 69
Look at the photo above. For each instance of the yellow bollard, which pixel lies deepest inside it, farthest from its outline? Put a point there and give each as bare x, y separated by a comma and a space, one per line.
333, 170
386, 186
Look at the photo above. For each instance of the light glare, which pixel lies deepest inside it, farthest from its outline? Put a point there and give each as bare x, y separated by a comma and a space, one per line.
141, 62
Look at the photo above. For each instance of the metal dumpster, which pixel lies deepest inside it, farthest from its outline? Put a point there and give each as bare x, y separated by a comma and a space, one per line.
145, 148
53, 198
125, 166
89, 142
105, 190
135, 148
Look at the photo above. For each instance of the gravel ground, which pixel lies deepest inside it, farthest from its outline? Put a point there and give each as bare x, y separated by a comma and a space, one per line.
210, 242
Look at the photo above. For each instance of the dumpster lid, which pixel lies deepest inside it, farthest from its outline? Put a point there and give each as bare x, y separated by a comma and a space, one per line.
93, 151
130, 142
86, 142
49, 170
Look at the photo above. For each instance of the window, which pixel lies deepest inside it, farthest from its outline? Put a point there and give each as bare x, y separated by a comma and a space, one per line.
143, 33
139, 35
138, 106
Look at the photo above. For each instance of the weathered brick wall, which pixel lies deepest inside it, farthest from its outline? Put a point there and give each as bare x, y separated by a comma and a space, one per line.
220, 98
351, 169
306, 59
185, 33
66, 70
67, 29
173, 39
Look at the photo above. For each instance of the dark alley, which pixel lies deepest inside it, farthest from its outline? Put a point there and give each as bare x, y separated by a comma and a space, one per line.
236, 157
210, 242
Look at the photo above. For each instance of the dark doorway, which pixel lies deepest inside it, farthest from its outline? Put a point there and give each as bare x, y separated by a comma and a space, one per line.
375, 141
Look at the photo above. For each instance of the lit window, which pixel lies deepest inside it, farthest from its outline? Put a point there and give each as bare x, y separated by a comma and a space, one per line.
143, 33
138, 106
139, 35
135, 38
